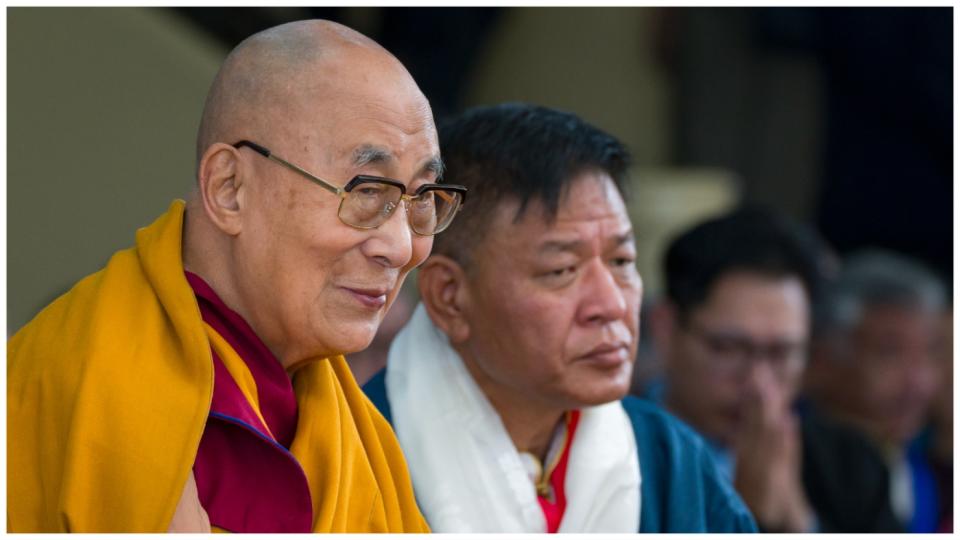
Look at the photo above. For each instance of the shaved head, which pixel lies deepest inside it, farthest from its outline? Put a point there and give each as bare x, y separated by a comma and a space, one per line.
270, 242
269, 78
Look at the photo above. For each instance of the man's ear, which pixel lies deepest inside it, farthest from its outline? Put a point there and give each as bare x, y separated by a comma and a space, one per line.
445, 294
220, 187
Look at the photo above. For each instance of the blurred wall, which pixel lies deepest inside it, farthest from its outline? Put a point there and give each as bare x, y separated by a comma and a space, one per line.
603, 65
745, 105
102, 110
595, 62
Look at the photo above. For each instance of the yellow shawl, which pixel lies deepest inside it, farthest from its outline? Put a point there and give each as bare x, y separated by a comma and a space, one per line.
108, 391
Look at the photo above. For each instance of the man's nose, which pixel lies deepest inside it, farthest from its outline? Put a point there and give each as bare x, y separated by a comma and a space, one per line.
603, 298
757, 368
392, 242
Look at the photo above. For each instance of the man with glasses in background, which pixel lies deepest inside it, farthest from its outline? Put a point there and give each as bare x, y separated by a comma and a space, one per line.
733, 332
197, 381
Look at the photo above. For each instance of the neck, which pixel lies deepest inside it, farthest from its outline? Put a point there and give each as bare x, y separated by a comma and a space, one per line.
530, 431
205, 252
529, 422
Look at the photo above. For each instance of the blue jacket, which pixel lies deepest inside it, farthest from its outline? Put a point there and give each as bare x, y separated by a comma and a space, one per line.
681, 489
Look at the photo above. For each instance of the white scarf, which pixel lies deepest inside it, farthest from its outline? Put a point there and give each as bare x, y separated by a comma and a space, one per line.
466, 472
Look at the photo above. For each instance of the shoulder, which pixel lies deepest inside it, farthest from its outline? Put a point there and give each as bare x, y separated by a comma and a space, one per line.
683, 491
93, 383
845, 477
831, 446
94, 315
662, 434
654, 420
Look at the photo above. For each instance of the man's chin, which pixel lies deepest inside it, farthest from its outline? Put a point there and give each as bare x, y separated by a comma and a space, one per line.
601, 394
350, 338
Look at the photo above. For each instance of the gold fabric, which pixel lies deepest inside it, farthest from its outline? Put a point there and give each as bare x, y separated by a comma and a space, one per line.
108, 391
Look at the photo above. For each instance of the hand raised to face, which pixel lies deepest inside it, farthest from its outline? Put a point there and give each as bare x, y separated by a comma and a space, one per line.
768, 457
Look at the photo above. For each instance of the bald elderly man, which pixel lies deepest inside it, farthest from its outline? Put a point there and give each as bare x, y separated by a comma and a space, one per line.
197, 381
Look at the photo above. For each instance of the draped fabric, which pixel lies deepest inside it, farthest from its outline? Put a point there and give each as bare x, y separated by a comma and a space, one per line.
109, 389
247, 479
467, 472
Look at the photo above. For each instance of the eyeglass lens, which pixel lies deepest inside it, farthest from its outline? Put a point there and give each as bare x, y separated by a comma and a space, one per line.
735, 353
370, 204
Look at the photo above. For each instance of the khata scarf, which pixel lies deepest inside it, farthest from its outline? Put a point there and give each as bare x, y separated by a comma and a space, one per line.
468, 475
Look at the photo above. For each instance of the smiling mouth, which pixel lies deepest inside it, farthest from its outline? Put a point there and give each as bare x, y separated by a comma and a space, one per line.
369, 298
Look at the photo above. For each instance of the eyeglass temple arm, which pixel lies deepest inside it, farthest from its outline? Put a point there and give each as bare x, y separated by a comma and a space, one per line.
444, 195
269, 155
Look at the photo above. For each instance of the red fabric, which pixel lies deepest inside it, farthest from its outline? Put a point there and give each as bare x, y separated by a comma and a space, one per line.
553, 511
277, 401
247, 480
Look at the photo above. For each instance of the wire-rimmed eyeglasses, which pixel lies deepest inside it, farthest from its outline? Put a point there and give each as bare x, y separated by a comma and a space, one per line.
366, 202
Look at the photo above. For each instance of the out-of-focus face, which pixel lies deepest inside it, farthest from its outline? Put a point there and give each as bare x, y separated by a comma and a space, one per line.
312, 285
749, 322
893, 352
943, 403
554, 307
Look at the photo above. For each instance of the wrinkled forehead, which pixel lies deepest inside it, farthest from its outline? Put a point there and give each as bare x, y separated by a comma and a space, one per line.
408, 112
331, 92
592, 196
590, 210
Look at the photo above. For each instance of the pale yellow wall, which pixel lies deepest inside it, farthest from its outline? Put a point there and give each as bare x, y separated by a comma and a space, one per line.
102, 111
595, 62
665, 201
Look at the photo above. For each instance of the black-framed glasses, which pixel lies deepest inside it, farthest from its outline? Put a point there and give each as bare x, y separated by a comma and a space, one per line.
366, 202
732, 353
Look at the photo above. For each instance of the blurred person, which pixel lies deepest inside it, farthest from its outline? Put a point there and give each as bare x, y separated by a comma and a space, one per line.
876, 368
505, 387
937, 439
197, 382
368, 362
733, 332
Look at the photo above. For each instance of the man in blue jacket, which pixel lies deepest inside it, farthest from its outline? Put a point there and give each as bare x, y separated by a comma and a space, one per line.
506, 388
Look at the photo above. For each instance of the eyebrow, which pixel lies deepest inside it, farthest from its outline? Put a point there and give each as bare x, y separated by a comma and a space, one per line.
368, 154
572, 245
624, 238
560, 245
435, 166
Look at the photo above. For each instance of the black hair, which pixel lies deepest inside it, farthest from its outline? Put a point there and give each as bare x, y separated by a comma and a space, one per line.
522, 152
751, 239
